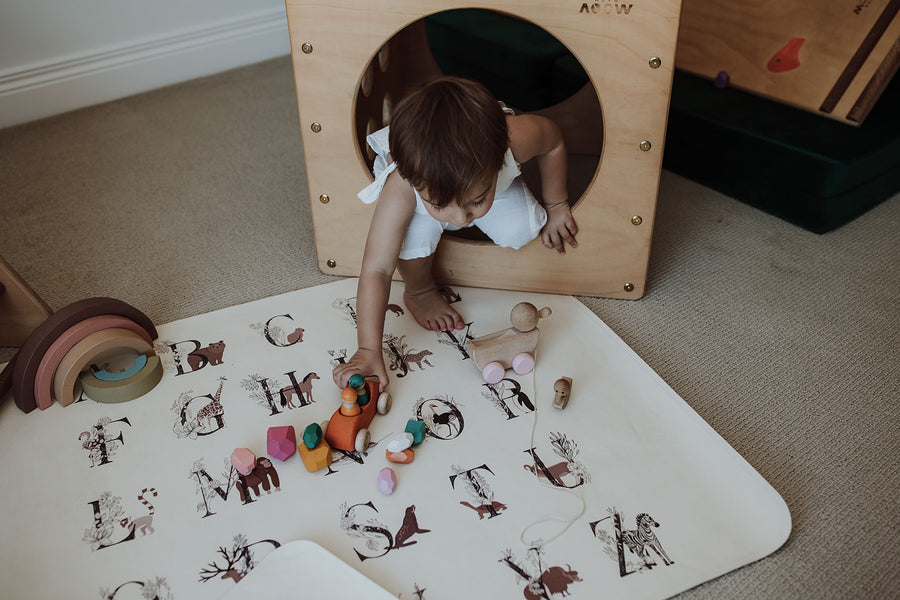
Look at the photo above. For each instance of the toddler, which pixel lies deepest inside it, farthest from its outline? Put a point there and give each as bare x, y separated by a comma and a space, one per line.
450, 160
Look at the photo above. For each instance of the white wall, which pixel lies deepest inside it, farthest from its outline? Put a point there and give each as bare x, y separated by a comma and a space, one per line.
59, 55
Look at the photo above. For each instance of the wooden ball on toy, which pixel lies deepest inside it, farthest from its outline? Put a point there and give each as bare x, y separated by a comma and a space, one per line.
349, 394
524, 316
356, 380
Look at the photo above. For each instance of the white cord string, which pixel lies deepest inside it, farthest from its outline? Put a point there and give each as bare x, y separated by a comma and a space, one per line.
549, 518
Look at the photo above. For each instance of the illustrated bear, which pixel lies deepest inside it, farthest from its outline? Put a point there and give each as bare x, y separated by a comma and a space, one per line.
212, 354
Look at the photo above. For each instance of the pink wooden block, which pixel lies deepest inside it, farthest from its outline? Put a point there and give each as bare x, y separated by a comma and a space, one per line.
281, 442
243, 460
387, 481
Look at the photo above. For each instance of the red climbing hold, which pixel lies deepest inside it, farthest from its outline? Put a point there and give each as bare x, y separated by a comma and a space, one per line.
786, 58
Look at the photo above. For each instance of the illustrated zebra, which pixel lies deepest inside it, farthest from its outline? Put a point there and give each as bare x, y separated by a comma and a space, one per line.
640, 539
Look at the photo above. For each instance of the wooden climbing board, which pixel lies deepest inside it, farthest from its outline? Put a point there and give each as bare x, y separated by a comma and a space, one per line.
832, 58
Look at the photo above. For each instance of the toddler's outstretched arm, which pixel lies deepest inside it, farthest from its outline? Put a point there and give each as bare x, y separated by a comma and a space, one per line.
393, 211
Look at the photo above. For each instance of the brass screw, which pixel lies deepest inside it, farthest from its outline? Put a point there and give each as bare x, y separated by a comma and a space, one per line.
306, 48
655, 62
636, 220
629, 287
316, 127
331, 263
645, 145
324, 199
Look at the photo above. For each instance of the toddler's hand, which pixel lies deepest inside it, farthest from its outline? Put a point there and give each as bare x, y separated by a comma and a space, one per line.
365, 362
560, 228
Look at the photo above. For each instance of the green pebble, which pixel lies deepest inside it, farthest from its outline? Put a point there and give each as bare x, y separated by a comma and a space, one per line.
312, 435
417, 429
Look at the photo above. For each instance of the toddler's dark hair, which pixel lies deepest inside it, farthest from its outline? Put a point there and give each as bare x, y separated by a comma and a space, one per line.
447, 137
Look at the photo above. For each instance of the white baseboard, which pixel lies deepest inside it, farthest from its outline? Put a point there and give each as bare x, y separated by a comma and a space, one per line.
72, 82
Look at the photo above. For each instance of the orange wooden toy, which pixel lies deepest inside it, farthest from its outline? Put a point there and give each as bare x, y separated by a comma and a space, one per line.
350, 432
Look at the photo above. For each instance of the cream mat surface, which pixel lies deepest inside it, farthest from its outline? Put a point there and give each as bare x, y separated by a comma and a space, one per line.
637, 496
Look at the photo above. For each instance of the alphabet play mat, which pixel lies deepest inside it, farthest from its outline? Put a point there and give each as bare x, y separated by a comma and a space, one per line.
632, 493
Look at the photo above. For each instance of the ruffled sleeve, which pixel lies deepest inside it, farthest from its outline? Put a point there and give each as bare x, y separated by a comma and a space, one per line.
378, 141
370, 193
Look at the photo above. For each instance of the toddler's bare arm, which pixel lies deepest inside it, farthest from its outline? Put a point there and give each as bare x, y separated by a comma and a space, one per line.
534, 136
393, 211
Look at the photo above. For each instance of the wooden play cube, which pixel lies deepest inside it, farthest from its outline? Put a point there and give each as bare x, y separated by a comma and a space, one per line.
353, 63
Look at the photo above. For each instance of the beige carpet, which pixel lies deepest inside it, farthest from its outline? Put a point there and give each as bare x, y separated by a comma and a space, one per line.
193, 198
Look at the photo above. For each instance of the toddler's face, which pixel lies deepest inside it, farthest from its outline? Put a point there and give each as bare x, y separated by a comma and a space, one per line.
462, 213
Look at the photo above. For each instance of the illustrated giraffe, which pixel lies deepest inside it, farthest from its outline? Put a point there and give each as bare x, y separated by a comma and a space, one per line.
214, 408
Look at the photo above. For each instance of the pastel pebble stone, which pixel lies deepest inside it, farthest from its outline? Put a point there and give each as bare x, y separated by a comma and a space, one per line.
281, 441
417, 429
243, 460
387, 481
398, 442
523, 363
316, 458
312, 435
402, 458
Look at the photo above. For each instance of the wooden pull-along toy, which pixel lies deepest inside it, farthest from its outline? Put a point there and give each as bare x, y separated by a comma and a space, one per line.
510, 348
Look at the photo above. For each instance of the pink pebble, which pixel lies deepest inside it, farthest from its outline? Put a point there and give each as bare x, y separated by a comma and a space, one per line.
523, 363
281, 442
493, 372
243, 460
387, 481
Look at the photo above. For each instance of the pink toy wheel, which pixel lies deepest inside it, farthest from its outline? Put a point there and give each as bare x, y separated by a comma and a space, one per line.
493, 372
523, 363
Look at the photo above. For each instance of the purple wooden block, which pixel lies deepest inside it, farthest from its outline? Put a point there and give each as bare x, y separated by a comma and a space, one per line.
282, 441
